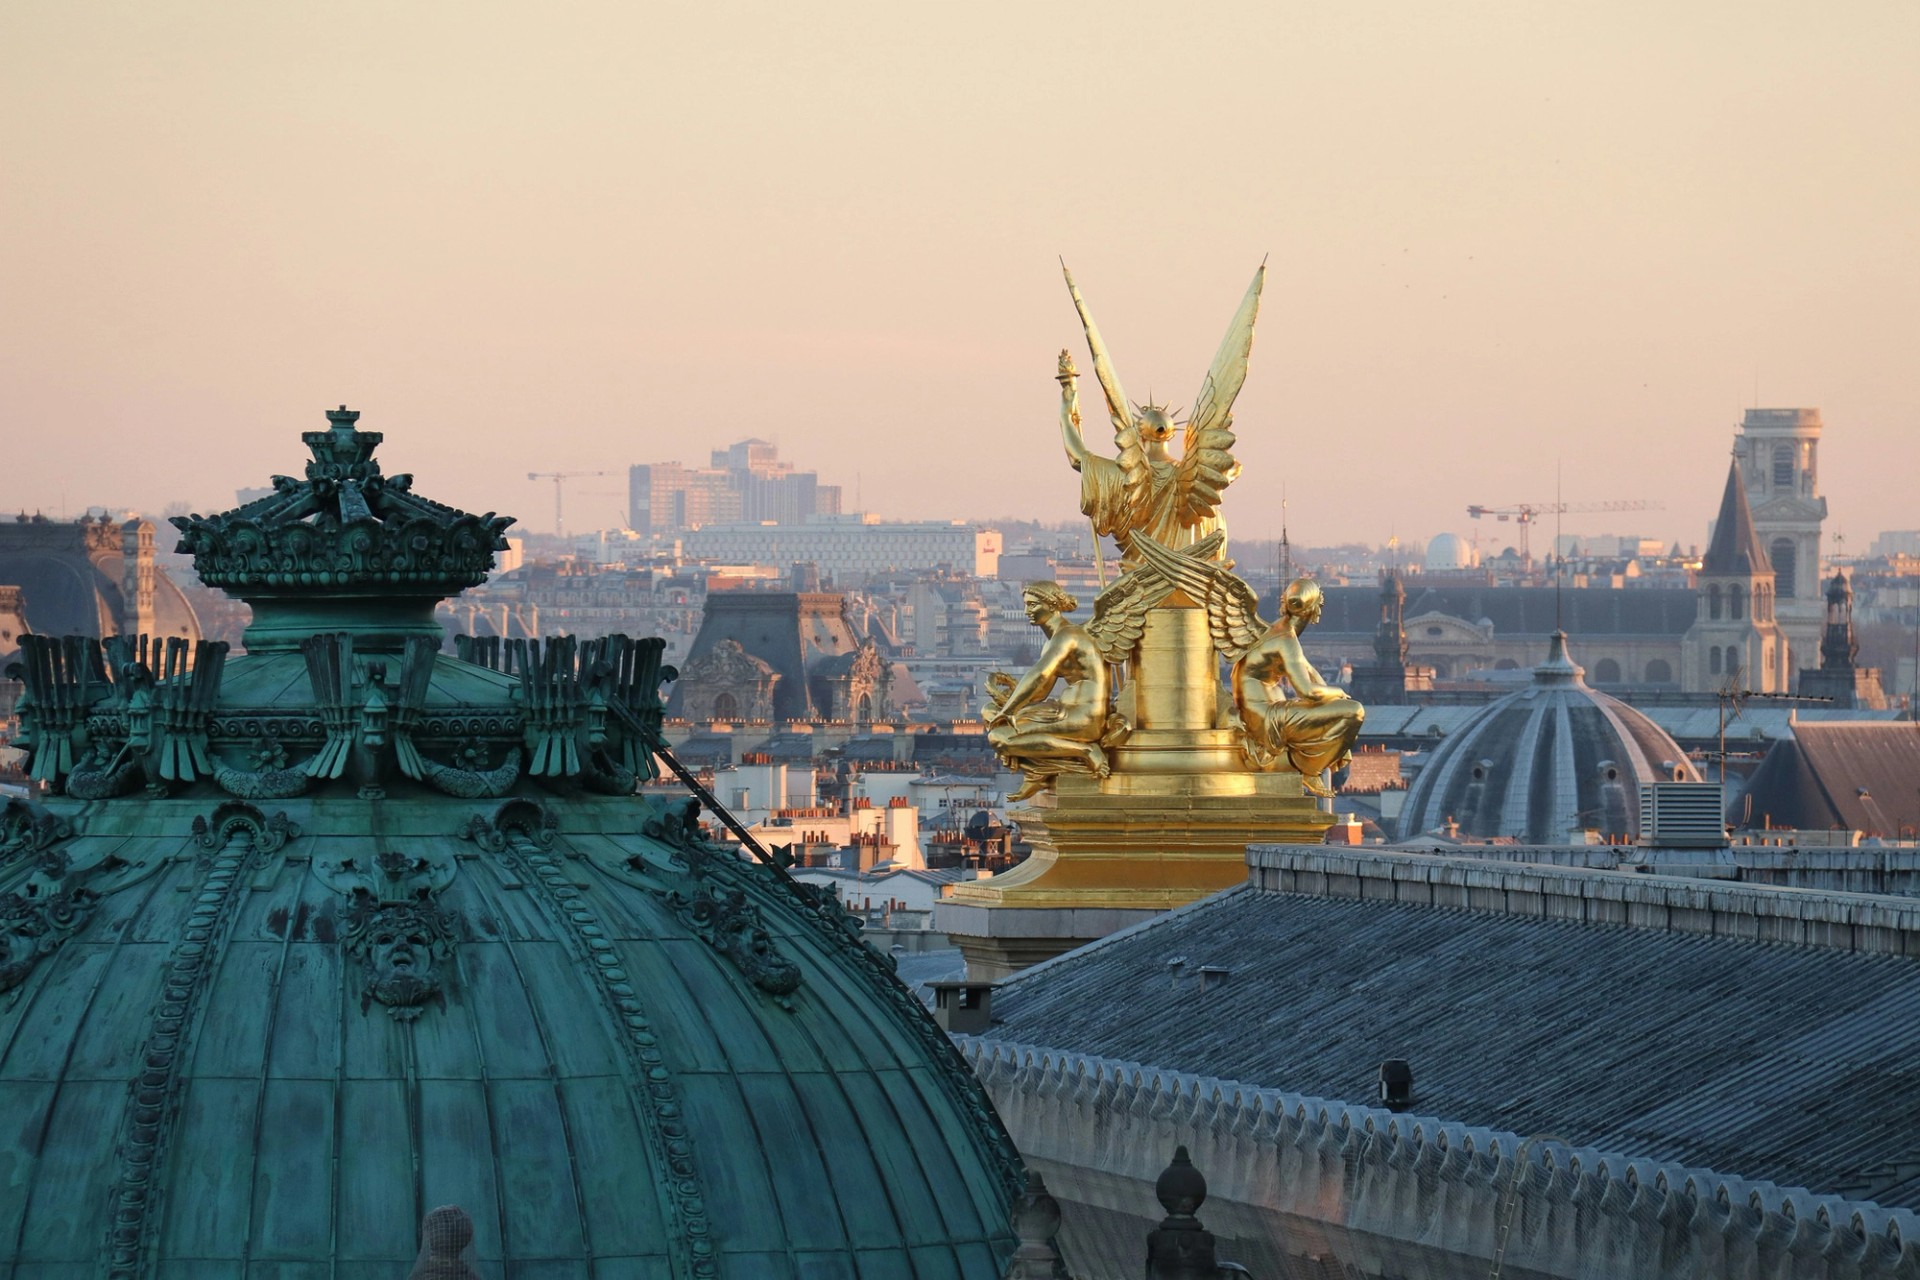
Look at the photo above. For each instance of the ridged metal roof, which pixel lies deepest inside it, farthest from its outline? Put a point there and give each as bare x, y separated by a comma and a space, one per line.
600, 1079
1796, 1065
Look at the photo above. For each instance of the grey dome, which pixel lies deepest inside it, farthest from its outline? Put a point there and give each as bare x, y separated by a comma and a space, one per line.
1545, 764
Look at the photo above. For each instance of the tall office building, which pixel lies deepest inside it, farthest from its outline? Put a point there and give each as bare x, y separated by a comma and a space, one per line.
745, 482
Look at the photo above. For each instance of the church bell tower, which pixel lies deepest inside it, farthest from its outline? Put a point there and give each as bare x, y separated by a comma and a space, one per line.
1779, 453
1735, 640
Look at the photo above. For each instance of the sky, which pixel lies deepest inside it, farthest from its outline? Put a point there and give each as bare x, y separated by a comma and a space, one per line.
1505, 242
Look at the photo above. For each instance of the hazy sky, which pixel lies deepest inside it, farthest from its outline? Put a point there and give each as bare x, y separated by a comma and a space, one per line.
578, 236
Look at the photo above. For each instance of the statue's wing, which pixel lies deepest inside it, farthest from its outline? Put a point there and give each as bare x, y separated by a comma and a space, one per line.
1120, 612
1233, 611
1207, 465
1117, 402
1233, 615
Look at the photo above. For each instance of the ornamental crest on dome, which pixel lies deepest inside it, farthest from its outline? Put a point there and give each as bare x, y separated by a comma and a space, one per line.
344, 525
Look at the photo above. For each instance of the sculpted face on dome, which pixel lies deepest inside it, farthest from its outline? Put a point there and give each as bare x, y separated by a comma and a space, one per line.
401, 946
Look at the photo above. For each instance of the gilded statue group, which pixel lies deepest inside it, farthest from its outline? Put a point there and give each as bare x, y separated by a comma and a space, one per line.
1163, 514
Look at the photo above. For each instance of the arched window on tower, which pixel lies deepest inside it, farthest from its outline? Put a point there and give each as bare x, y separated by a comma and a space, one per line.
1736, 602
1782, 555
1659, 671
1713, 601
1783, 467
1713, 661
1733, 660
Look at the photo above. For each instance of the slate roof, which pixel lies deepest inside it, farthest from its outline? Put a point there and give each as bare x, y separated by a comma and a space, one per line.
790, 631
1794, 1064
1736, 550
1862, 776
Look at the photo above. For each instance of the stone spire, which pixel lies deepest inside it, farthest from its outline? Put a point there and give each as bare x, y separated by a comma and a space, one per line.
1390, 637
1736, 550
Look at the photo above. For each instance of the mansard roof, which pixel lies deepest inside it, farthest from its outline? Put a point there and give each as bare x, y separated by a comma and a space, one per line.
1761, 1033
1736, 550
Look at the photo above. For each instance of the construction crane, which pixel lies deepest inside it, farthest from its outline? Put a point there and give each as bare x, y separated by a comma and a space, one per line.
1525, 513
560, 479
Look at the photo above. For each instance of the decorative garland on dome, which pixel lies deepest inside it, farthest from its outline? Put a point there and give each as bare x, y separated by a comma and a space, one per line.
238, 837
524, 832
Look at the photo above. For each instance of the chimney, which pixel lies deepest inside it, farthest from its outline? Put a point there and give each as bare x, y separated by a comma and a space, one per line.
963, 1008
1396, 1084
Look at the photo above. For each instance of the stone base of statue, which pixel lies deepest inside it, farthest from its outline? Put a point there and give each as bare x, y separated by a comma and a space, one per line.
1170, 825
1112, 852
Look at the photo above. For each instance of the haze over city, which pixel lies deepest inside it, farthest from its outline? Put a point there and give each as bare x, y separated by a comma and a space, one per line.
1500, 237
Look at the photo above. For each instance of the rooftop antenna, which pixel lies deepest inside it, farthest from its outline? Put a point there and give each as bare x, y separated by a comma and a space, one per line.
1559, 547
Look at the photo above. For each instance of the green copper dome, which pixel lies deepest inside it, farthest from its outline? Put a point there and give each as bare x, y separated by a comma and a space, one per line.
297, 944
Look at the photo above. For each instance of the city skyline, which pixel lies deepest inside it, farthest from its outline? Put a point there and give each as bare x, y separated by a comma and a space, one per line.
1501, 241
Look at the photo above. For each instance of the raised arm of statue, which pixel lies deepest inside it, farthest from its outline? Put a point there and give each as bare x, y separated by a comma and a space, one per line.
1076, 443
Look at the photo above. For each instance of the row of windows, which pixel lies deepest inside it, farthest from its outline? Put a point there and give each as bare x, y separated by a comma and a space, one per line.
1736, 602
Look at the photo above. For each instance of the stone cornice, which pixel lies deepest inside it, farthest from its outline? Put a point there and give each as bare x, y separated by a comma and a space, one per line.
1862, 922
1371, 1178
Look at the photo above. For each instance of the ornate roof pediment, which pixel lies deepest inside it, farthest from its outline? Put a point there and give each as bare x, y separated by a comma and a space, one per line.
728, 663
1450, 629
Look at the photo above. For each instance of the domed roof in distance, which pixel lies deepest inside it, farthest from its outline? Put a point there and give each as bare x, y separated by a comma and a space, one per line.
298, 944
1545, 764
1449, 551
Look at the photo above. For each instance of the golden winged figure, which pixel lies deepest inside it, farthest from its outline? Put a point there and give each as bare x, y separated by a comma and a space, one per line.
1310, 732
1145, 488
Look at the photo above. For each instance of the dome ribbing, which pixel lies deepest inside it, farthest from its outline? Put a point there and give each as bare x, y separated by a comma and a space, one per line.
1545, 764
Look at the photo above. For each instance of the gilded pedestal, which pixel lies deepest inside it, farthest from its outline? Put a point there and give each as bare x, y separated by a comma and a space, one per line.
1169, 825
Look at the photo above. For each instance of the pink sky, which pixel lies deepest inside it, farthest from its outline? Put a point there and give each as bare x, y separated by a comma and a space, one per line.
584, 235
